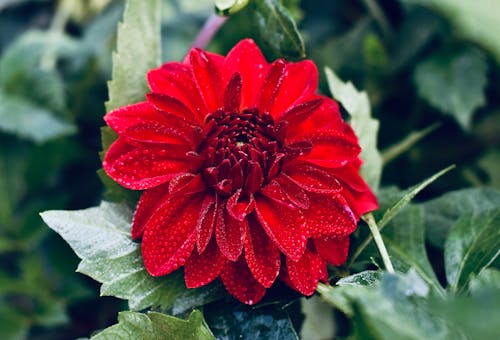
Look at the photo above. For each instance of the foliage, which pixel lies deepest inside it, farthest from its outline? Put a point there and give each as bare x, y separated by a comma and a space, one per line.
428, 79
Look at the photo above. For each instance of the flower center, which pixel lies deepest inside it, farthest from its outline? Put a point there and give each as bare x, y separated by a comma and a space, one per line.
242, 150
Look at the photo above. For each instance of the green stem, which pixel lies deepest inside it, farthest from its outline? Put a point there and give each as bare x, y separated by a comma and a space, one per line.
370, 220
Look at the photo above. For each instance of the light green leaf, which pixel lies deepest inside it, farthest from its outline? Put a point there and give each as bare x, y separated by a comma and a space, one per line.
366, 278
277, 26
25, 120
393, 309
318, 319
488, 278
138, 50
475, 20
152, 326
100, 236
472, 245
27, 68
357, 105
228, 7
454, 82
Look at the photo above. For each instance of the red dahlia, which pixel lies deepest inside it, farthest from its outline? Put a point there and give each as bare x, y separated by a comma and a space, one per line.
248, 174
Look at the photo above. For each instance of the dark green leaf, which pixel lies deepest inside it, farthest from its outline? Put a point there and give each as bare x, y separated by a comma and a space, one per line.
454, 82
138, 50
278, 28
25, 120
357, 105
442, 213
405, 241
473, 244
151, 326
475, 20
100, 236
13, 325
230, 321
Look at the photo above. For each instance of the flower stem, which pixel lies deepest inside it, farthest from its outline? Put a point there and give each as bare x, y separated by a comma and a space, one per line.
370, 220
211, 26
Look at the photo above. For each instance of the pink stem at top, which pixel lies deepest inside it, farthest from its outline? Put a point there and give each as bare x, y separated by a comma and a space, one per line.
207, 32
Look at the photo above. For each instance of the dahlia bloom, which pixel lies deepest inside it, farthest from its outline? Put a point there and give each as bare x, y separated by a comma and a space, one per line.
247, 174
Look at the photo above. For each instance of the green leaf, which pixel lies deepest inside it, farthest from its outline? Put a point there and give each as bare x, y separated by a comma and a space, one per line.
150, 326
474, 20
14, 326
442, 213
365, 278
395, 201
277, 27
473, 244
488, 278
27, 68
393, 309
405, 241
409, 195
25, 120
100, 236
454, 82
238, 321
395, 150
357, 105
490, 163
318, 319
138, 50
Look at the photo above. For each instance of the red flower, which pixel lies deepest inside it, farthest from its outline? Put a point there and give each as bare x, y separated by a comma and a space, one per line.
248, 174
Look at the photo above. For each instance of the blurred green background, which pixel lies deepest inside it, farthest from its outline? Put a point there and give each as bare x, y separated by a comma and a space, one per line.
421, 62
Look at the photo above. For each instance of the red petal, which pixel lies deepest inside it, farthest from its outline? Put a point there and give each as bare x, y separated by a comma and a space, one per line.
271, 85
232, 95
239, 209
300, 82
276, 192
144, 168
206, 222
325, 117
157, 133
312, 178
332, 148
305, 274
148, 203
207, 77
334, 250
172, 105
123, 118
241, 284
200, 270
246, 59
285, 227
229, 233
175, 80
170, 235
298, 113
262, 256
329, 214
